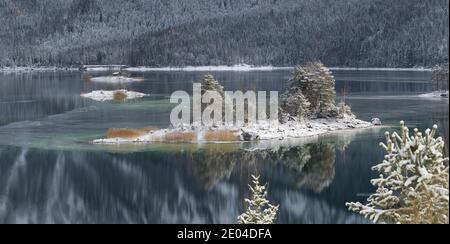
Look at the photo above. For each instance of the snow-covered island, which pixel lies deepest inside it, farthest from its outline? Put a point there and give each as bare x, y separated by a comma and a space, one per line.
307, 108
117, 95
263, 132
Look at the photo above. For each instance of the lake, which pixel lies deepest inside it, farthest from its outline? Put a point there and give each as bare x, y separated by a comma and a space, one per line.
49, 173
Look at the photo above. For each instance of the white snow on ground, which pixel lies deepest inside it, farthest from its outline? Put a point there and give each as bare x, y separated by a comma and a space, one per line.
422, 69
436, 94
238, 67
263, 131
246, 67
109, 95
298, 130
103, 68
115, 79
35, 69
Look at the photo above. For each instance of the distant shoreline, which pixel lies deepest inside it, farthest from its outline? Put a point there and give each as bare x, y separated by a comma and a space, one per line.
235, 68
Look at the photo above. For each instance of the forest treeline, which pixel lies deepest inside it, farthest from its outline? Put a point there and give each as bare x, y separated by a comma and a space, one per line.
356, 33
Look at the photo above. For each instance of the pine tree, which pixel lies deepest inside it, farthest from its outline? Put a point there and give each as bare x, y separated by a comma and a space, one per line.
210, 84
440, 77
310, 94
327, 93
259, 210
318, 86
413, 187
293, 103
294, 106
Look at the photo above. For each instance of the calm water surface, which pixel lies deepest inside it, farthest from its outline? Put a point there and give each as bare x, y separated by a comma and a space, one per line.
49, 173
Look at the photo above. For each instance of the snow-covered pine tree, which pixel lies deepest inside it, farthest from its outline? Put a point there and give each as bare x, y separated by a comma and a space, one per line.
210, 84
413, 186
326, 93
310, 93
294, 106
345, 111
293, 103
259, 210
440, 77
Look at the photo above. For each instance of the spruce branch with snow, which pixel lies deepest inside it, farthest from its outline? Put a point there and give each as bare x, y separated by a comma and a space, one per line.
259, 210
413, 187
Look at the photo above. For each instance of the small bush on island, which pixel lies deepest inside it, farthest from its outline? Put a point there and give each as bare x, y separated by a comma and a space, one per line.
124, 133
413, 185
87, 77
221, 136
120, 96
180, 137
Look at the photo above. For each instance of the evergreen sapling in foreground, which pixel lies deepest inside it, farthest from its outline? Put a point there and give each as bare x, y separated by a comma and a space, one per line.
259, 210
413, 184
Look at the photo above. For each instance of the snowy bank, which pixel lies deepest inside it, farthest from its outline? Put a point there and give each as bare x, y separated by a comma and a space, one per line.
262, 131
113, 95
420, 69
247, 68
35, 69
436, 94
237, 68
115, 79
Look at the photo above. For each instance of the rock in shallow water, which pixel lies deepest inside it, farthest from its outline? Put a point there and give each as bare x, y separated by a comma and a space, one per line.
376, 122
249, 136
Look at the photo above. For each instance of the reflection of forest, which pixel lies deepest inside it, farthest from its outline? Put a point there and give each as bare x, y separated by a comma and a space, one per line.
311, 165
83, 187
153, 187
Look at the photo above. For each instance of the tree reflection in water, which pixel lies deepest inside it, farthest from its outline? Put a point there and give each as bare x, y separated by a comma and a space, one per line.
196, 185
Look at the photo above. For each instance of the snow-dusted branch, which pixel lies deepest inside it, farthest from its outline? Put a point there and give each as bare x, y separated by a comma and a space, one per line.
413, 187
259, 210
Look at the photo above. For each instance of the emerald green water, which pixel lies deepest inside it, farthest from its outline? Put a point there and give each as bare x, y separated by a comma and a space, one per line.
50, 173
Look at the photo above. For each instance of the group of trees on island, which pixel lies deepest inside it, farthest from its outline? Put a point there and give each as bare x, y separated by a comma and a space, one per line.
311, 94
440, 77
377, 33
